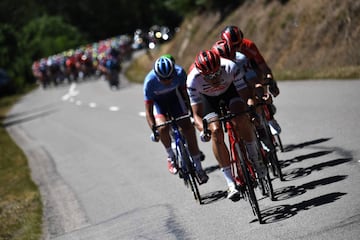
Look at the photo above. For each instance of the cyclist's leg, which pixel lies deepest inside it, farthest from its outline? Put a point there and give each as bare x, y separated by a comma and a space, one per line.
164, 134
220, 150
222, 155
178, 109
245, 129
189, 132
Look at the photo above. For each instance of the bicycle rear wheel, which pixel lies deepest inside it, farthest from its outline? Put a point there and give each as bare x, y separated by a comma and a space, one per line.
249, 185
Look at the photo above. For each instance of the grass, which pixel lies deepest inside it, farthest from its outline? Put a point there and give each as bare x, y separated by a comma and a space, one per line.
20, 201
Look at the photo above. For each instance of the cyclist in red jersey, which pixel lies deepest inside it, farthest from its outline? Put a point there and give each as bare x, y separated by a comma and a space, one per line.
234, 36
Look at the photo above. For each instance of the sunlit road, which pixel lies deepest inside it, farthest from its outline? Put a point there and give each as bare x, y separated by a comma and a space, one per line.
102, 178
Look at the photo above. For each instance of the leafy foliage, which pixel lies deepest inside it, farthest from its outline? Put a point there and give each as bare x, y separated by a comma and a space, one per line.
50, 27
48, 35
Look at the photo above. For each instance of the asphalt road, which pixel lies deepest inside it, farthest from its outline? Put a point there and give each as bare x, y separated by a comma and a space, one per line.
102, 178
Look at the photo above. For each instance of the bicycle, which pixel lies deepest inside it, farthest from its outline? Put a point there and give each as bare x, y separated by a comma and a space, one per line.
241, 167
183, 159
268, 142
276, 135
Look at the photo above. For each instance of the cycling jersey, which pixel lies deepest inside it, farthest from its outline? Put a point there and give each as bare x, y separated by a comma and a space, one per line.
197, 85
166, 98
250, 50
250, 75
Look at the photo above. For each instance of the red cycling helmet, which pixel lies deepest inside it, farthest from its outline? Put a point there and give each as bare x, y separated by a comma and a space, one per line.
233, 35
207, 62
224, 49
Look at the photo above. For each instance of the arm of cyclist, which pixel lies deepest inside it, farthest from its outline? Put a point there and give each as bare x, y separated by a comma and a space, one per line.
150, 118
205, 134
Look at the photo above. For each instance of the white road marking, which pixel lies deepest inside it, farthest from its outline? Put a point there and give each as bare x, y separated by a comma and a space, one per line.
142, 114
71, 93
92, 105
114, 108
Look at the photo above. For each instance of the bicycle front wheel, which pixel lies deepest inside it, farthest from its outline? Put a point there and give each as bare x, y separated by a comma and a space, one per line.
267, 187
190, 172
249, 184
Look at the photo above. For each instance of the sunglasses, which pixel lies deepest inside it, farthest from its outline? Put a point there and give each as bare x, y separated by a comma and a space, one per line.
166, 79
213, 75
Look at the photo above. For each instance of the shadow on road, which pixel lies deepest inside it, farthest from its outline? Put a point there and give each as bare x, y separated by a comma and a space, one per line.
302, 172
282, 212
292, 147
211, 197
300, 158
211, 169
293, 191
26, 116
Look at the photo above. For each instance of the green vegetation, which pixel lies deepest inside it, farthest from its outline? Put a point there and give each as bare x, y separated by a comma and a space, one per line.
20, 202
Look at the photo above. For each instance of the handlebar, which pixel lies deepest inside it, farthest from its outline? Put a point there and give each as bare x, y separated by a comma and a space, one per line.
172, 120
226, 116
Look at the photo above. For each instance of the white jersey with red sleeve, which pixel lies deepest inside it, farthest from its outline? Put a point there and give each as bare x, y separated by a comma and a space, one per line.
196, 84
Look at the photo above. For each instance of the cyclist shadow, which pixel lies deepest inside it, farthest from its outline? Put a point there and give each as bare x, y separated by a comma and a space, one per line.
293, 191
286, 163
302, 172
214, 196
291, 147
282, 212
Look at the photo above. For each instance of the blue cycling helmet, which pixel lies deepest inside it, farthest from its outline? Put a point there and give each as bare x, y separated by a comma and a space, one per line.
164, 67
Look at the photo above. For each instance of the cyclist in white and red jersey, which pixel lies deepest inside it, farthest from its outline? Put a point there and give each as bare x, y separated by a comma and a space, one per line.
164, 94
211, 81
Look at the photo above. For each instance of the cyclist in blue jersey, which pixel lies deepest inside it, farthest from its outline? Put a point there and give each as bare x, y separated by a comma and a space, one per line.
165, 94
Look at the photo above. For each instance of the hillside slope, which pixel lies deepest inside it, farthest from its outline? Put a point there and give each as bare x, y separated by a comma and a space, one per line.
299, 39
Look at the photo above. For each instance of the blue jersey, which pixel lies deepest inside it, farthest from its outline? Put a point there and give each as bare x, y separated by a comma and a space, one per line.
166, 98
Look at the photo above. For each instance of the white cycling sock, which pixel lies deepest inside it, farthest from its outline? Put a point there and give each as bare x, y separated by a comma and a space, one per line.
227, 174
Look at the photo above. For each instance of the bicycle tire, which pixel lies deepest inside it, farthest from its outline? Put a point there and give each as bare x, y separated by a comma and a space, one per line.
279, 142
190, 172
276, 165
274, 160
267, 187
265, 184
249, 185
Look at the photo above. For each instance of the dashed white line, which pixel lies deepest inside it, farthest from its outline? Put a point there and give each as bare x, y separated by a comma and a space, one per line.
92, 105
71, 93
114, 108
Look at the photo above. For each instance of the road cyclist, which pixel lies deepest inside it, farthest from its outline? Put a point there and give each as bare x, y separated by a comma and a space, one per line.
211, 80
165, 94
254, 93
235, 37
